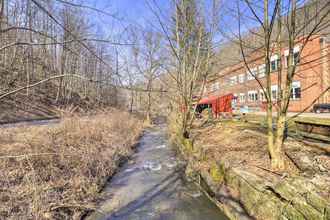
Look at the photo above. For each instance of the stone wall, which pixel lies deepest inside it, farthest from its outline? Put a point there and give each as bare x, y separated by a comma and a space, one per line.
244, 195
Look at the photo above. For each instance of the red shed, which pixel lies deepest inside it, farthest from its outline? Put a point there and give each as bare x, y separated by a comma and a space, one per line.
219, 103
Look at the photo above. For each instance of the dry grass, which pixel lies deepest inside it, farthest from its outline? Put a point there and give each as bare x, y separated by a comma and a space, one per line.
234, 143
57, 171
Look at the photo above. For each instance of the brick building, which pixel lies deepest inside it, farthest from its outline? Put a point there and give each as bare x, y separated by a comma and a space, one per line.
311, 79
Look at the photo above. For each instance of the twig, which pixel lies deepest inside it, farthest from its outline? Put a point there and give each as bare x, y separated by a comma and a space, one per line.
268, 170
65, 42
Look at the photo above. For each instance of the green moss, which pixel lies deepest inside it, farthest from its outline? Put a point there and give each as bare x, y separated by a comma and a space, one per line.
232, 180
217, 173
305, 202
317, 202
288, 212
257, 203
327, 212
188, 145
290, 199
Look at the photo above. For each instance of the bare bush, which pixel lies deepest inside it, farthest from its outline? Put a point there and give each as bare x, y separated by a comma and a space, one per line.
57, 171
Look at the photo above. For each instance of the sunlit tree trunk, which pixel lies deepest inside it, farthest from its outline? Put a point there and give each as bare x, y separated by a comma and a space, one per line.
274, 154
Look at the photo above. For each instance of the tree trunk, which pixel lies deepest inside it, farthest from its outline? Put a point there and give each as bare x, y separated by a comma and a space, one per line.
60, 93
275, 151
185, 121
131, 102
278, 162
2, 8
149, 108
270, 131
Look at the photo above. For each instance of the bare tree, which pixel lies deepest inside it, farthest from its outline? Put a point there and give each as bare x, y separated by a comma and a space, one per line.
148, 59
40, 40
191, 42
287, 26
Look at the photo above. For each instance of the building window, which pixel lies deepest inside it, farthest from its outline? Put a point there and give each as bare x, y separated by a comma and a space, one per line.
296, 91
253, 96
241, 78
296, 56
235, 98
251, 75
274, 63
274, 92
242, 97
296, 59
233, 80
254, 72
262, 70
215, 86
262, 95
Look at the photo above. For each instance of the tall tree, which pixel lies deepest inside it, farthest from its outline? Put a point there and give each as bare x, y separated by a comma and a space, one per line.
190, 35
288, 27
148, 61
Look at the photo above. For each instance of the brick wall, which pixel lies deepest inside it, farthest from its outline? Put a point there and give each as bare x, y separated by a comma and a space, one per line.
325, 53
312, 74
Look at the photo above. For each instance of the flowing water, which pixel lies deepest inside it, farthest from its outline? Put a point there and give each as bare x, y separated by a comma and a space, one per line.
152, 186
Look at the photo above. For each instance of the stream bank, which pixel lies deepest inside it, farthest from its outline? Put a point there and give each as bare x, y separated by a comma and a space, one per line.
230, 161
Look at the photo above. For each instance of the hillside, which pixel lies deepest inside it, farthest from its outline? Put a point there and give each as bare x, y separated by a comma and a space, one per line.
39, 103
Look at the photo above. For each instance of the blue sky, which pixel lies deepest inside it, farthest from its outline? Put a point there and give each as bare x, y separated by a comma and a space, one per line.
136, 12
131, 11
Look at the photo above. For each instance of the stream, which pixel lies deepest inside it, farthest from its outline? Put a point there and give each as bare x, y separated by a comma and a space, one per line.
152, 186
